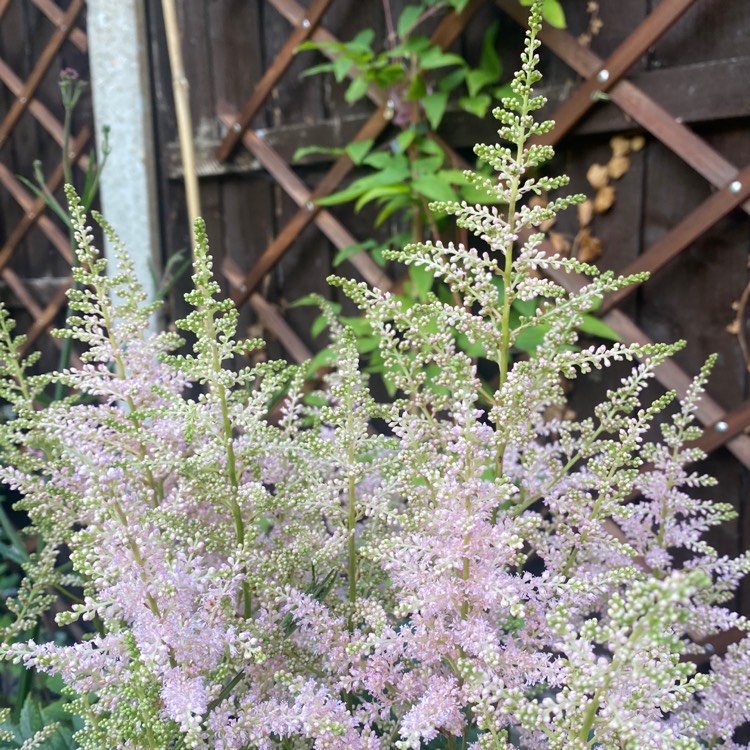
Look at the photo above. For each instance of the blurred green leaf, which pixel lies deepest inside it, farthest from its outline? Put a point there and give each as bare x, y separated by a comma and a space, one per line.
357, 150
434, 107
356, 90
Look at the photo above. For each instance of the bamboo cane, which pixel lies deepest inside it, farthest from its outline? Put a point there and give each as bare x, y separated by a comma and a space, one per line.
181, 93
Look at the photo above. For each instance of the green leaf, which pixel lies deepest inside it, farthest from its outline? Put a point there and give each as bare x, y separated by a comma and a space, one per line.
450, 81
376, 193
596, 327
421, 281
428, 165
434, 188
401, 142
341, 66
395, 173
314, 70
360, 326
308, 299
407, 20
434, 57
368, 344
417, 90
349, 250
530, 338
324, 358
31, 720
357, 150
476, 105
458, 5
318, 326
416, 44
434, 107
489, 62
304, 151
361, 43
393, 205
356, 90
554, 14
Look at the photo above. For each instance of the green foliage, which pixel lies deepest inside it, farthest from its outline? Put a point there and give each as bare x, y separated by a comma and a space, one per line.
412, 170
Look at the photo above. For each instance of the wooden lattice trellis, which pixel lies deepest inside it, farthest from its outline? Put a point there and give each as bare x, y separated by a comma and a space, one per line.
600, 77
25, 99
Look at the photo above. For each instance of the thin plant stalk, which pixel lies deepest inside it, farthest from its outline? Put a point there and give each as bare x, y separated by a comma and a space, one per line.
181, 92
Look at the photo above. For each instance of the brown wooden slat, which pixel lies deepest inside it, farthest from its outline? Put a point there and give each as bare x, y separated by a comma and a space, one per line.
447, 32
277, 69
281, 243
617, 64
672, 376
24, 199
42, 65
43, 319
3, 7
293, 12
77, 36
729, 426
42, 115
669, 374
645, 111
37, 207
301, 195
20, 290
270, 317
687, 231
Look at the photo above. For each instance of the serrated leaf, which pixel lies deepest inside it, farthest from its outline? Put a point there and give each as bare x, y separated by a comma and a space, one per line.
30, 720
434, 107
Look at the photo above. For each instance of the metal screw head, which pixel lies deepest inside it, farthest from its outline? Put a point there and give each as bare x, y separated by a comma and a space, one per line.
721, 426
305, 23
735, 186
310, 206
602, 76
243, 288
236, 127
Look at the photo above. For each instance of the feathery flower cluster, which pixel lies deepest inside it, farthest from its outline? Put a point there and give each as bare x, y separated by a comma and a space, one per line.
489, 577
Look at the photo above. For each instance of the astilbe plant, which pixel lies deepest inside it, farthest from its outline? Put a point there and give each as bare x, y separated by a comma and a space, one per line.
460, 577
